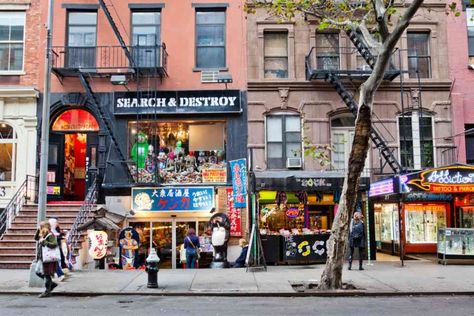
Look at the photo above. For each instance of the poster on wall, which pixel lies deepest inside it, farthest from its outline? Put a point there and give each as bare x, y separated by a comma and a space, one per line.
234, 215
214, 175
238, 169
173, 199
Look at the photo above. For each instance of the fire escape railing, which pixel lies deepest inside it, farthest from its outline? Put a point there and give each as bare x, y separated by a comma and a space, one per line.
327, 63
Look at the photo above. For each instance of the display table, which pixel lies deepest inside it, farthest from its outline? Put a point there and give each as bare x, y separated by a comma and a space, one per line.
299, 249
455, 243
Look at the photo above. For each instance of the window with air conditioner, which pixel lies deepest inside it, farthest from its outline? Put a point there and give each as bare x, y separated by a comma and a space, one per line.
283, 141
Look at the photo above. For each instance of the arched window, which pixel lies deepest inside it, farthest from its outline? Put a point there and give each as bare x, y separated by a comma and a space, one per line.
416, 140
75, 120
283, 138
7, 152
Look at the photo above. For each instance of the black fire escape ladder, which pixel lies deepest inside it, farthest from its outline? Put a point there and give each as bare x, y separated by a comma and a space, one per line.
105, 120
361, 46
117, 33
375, 136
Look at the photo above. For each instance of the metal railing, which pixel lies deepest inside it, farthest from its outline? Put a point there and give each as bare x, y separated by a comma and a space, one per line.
27, 191
83, 215
104, 58
340, 59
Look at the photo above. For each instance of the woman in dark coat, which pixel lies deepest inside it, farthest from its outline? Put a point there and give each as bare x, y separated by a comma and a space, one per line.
45, 237
357, 239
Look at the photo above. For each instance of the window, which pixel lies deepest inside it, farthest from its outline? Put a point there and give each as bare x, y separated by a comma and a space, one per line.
419, 60
12, 26
470, 33
283, 139
210, 39
342, 135
7, 152
469, 128
177, 152
276, 54
416, 141
327, 51
82, 31
146, 38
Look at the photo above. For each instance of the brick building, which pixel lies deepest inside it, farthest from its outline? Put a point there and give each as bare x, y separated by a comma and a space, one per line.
149, 94
21, 70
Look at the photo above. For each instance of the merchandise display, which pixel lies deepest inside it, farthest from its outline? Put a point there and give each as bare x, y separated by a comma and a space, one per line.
423, 222
456, 242
174, 162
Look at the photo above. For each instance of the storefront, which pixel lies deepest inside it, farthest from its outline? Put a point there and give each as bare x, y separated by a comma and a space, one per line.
295, 218
421, 204
175, 144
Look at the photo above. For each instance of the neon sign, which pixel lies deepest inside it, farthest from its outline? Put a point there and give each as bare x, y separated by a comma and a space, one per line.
292, 212
451, 179
381, 187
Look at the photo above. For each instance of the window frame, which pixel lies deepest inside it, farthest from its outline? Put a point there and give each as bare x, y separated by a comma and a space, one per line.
283, 142
68, 25
9, 42
14, 142
320, 55
196, 46
420, 139
470, 11
271, 57
429, 70
157, 52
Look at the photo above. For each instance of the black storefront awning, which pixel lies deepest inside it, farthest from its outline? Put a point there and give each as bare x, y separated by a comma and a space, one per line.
310, 181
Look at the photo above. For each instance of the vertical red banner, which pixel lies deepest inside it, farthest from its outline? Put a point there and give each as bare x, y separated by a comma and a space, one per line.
234, 215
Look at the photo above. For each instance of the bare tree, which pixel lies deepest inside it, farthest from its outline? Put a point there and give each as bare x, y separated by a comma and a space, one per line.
381, 24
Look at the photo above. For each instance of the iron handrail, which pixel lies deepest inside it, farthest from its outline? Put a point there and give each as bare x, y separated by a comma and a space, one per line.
18, 200
83, 215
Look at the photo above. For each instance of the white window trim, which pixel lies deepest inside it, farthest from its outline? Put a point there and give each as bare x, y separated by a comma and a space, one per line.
14, 142
22, 71
415, 130
347, 149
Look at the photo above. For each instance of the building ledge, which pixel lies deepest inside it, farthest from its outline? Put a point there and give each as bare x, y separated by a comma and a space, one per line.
18, 92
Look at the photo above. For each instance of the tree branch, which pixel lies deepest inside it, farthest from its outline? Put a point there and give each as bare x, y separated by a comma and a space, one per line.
381, 18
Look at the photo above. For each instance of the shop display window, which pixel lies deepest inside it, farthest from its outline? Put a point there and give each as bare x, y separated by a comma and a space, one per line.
177, 152
456, 241
386, 220
466, 217
278, 220
423, 222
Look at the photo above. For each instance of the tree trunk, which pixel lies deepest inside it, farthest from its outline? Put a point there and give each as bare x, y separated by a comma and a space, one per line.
331, 277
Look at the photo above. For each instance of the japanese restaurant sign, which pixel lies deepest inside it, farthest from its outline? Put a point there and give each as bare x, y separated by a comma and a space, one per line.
449, 179
173, 199
234, 215
238, 169
214, 175
169, 102
98, 244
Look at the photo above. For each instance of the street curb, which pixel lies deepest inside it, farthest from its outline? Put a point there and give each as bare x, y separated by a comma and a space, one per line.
343, 293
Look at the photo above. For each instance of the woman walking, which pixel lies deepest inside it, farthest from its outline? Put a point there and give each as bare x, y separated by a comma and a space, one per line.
191, 244
45, 238
56, 231
357, 239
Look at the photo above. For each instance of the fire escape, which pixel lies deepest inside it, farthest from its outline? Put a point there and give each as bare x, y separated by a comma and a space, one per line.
87, 63
323, 63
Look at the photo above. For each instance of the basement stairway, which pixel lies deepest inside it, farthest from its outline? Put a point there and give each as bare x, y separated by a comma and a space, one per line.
17, 246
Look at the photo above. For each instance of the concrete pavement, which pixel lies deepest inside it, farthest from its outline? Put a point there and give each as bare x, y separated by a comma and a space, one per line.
381, 278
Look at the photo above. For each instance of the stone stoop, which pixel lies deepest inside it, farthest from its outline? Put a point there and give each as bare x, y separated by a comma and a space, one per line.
18, 247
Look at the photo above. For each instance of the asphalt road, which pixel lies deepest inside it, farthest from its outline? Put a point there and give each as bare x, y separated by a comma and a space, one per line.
241, 306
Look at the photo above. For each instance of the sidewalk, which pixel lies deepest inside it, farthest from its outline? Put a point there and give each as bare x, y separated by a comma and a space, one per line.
381, 278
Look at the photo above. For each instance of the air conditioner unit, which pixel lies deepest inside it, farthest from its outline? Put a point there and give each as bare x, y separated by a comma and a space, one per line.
293, 163
209, 76
365, 68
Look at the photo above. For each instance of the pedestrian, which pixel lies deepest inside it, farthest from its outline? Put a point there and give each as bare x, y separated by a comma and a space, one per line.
55, 230
240, 261
45, 238
191, 244
357, 239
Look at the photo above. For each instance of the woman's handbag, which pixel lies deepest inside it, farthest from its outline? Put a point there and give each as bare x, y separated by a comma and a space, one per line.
50, 254
39, 271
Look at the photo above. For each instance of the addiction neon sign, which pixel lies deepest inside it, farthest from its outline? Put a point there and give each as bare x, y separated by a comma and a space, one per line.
446, 179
